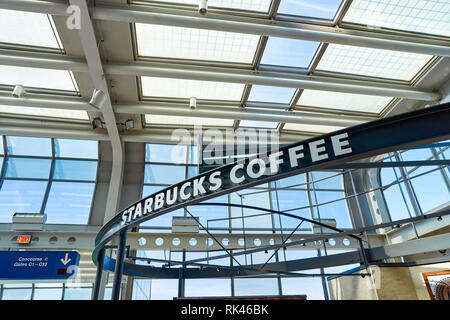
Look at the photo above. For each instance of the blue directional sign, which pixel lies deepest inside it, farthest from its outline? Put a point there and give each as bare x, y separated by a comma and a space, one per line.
52, 265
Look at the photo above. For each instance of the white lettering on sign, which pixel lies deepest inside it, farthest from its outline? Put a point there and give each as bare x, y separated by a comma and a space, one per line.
239, 172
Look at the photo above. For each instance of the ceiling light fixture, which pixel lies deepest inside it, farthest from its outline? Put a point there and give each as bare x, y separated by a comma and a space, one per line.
203, 7
98, 98
193, 103
18, 91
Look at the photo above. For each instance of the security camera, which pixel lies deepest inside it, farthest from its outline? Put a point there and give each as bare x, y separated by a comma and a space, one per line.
18, 91
193, 103
203, 7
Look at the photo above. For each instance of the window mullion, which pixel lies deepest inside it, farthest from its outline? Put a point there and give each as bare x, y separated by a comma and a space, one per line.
49, 184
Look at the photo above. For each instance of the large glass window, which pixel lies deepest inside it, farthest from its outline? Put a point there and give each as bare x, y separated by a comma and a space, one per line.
412, 191
52, 176
322, 198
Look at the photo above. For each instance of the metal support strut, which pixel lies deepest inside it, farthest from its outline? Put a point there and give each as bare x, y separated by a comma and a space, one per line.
119, 266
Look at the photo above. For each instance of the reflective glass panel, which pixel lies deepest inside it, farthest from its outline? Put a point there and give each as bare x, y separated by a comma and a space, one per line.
258, 124
256, 287
27, 28
312, 287
69, 202
343, 101
423, 16
28, 168
45, 112
169, 153
208, 288
289, 52
20, 196
187, 121
271, 94
75, 170
164, 174
325, 9
36, 78
310, 127
196, 44
28, 146
372, 62
250, 5
180, 88
71, 148
17, 294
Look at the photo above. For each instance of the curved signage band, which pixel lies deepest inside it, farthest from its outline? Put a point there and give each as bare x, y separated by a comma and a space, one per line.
365, 140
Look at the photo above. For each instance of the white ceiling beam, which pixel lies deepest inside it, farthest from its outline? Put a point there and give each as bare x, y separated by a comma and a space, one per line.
238, 114
33, 100
184, 71
272, 79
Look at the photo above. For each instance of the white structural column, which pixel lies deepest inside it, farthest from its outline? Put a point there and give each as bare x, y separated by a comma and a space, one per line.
94, 63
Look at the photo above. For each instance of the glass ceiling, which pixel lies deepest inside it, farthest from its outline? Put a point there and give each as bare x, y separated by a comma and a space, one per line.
372, 62
271, 94
17, 26
180, 88
343, 101
45, 112
286, 54
37, 78
310, 127
187, 121
289, 52
196, 44
324, 9
423, 16
250, 5
245, 51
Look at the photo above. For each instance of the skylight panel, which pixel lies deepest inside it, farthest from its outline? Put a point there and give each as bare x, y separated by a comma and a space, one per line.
310, 127
372, 62
27, 28
343, 101
423, 16
180, 88
249, 5
196, 44
45, 112
289, 52
271, 94
153, 119
37, 78
258, 124
324, 9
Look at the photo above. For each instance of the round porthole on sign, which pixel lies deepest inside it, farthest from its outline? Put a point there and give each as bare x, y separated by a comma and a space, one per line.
53, 240
71, 240
192, 242
142, 241
209, 242
225, 242
159, 241
176, 242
